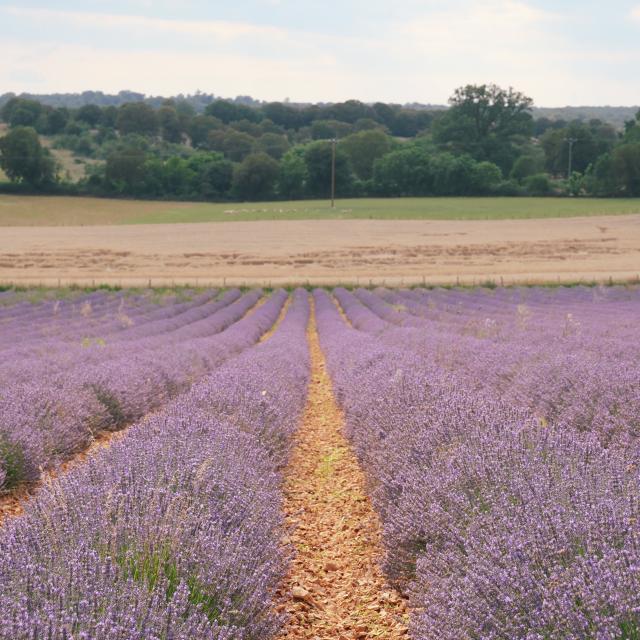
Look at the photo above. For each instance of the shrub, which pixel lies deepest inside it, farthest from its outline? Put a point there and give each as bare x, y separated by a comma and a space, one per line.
12, 464
538, 185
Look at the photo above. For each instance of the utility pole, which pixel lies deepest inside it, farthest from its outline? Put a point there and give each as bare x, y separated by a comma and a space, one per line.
571, 142
333, 172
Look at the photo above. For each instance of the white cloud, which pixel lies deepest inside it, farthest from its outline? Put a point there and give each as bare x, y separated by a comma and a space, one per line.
219, 29
446, 45
77, 68
635, 13
494, 29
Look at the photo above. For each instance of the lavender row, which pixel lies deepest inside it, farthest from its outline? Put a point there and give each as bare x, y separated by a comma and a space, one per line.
57, 355
562, 378
174, 531
31, 321
496, 526
84, 331
583, 371
49, 418
46, 421
97, 315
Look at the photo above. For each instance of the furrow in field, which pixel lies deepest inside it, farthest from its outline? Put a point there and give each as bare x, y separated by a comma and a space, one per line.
283, 312
335, 588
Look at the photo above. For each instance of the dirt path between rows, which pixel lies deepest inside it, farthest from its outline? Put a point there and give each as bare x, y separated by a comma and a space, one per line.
335, 589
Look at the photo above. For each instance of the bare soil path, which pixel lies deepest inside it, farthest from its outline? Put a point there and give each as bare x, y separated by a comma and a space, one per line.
335, 589
325, 252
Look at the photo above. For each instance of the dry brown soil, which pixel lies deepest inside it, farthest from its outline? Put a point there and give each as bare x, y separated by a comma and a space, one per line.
335, 589
325, 252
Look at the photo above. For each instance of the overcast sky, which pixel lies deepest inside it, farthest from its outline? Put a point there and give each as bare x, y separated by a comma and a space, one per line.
578, 52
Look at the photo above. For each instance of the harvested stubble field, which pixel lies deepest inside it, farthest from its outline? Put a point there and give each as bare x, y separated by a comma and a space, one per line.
337, 466
436, 246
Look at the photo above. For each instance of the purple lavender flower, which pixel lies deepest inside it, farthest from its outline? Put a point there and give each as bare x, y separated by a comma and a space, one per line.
174, 531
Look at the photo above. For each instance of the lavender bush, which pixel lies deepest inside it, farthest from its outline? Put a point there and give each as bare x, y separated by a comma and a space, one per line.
509, 508
174, 531
56, 413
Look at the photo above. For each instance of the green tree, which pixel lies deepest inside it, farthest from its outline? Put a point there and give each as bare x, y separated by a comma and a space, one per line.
414, 170
255, 177
199, 129
57, 120
151, 181
317, 157
363, 149
91, 114
406, 171
24, 159
186, 113
74, 128
600, 179
349, 111
230, 111
590, 141
137, 117
486, 122
538, 185
309, 114
234, 144
170, 126
486, 177
246, 126
407, 123
575, 183
269, 126
385, 113
282, 114
105, 135
453, 175
109, 117
20, 112
542, 125
632, 129
525, 166
125, 170
273, 145
625, 163
368, 124
212, 175
293, 174
216, 138
177, 177
327, 129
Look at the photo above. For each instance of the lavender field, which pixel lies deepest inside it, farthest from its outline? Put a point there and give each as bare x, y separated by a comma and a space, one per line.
497, 431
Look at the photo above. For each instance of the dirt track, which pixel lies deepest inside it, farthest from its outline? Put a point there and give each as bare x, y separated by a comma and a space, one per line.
335, 590
325, 252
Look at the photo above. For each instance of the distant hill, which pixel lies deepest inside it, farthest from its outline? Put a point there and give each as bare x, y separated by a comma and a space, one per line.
75, 100
616, 116
198, 100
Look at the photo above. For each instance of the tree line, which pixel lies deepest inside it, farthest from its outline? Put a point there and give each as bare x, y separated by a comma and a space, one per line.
486, 143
